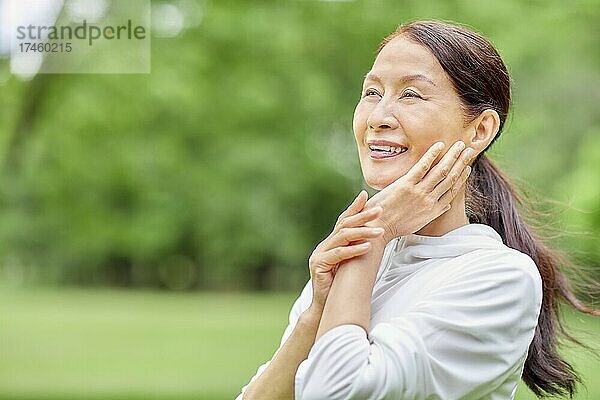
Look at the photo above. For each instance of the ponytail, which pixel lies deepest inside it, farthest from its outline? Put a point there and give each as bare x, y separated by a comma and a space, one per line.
492, 200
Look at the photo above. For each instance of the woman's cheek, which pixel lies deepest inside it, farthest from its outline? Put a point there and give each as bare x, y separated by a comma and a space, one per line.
424, 146
361, 114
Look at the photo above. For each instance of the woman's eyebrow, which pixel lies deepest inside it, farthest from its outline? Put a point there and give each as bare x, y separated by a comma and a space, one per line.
403, 80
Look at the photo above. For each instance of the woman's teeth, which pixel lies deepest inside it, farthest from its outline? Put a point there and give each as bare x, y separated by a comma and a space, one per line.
396, 150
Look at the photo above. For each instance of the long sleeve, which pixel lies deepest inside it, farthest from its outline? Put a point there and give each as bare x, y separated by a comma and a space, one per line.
463, 338
301, 303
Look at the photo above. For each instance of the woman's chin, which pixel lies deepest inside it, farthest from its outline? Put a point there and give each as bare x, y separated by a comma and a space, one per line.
380, 182
380, 176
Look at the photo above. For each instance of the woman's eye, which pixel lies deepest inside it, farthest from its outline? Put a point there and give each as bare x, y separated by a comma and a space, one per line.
410, 93
371, 92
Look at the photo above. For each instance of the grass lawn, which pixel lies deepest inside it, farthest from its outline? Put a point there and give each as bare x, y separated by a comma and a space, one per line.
116, 344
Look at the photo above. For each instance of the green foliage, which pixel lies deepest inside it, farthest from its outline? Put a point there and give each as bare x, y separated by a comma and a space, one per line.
227, 164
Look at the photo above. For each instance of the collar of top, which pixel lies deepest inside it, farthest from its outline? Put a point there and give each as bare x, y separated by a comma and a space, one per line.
464, 239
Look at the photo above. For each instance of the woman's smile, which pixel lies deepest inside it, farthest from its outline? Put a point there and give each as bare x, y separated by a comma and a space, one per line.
383, 152
385, 149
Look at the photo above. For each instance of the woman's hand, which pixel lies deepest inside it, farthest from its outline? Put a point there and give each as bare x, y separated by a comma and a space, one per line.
423, 193
346, 241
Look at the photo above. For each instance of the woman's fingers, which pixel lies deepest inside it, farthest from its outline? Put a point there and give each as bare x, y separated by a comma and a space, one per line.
443, 168
447, 197
454, 175
357, 204
359, 219
346, 236
338, 254
421, 167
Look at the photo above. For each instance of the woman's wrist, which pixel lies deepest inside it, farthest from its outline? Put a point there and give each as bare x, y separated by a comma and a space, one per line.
390, 231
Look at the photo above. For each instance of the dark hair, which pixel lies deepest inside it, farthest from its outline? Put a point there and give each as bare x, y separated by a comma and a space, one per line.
482, 82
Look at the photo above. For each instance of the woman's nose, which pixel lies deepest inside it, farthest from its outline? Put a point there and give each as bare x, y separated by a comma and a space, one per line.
382, 118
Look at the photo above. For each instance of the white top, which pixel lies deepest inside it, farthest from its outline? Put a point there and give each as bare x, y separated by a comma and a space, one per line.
452, 317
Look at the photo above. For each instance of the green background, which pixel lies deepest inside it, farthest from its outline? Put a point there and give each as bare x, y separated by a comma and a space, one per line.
117, 344
153, 226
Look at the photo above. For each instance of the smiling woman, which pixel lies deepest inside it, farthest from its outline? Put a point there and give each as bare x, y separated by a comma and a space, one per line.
435, 287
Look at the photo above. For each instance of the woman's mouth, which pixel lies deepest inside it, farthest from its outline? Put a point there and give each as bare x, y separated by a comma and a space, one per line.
378, 152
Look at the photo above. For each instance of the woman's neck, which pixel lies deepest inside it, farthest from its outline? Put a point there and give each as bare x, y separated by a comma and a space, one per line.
450, 220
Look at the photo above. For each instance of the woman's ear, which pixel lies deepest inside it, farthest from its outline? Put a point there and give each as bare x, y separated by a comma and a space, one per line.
483, 129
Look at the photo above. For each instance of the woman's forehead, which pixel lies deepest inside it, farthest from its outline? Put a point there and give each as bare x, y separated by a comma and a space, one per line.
403, 59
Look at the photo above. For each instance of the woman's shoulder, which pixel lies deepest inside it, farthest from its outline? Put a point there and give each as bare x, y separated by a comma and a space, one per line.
503, 257
499, 288
486, 252
503, 272
476, 258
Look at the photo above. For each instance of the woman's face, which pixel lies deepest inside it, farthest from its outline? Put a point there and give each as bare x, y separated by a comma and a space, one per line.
407, 102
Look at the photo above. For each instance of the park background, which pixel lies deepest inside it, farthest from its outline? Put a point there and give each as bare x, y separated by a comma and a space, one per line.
155, 228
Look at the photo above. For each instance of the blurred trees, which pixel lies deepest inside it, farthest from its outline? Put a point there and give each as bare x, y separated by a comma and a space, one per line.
226, 165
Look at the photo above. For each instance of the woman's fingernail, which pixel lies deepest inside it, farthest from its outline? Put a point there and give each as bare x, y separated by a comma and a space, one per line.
460, 145
365, 245
377, 230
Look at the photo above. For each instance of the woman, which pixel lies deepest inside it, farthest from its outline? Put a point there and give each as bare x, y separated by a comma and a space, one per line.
435, 287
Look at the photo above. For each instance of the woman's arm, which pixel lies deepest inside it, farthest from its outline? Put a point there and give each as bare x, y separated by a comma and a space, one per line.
349, 300
277, 380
